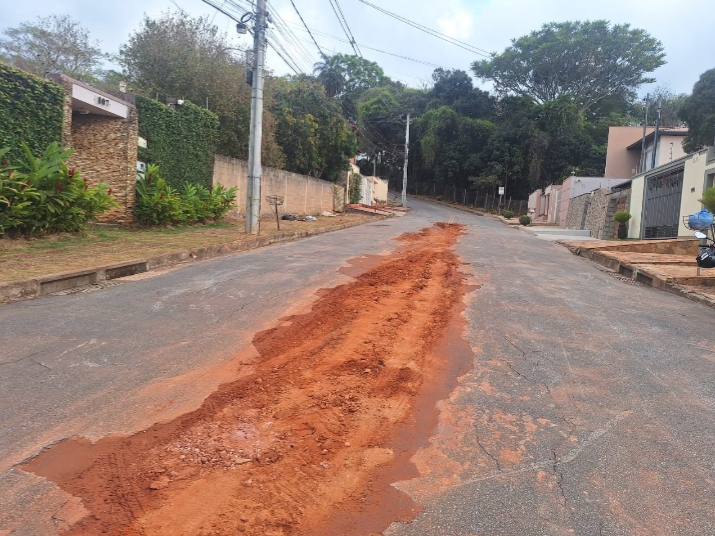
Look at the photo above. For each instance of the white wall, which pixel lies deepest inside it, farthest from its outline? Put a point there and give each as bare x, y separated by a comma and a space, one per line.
584, 185
694, 183
636, 207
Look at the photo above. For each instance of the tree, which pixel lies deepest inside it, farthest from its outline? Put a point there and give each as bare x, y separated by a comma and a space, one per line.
698, 111
53, 44
315, 138
454, 88
452, 144
344, 75
179, 56
670, 105
587, 61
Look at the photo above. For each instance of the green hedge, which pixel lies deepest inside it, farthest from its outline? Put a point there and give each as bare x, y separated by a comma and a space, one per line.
31, 111
181, 140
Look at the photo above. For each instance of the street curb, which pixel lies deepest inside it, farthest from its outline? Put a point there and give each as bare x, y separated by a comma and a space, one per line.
48, 284
674, 285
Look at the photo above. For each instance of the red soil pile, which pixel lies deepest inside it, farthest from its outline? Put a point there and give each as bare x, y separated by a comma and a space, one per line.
341, 399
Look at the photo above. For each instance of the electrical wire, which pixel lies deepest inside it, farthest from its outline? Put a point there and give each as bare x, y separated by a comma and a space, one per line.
434, 33
352, 37
322, 34
231, 5
281, 26
308, 30
345, 28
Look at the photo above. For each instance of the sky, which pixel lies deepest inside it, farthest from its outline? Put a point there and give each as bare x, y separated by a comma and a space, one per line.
487, 24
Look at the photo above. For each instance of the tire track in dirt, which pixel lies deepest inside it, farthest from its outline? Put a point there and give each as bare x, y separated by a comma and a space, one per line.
342, 397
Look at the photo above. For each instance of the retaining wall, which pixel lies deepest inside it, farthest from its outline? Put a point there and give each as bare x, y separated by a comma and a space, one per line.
301, 194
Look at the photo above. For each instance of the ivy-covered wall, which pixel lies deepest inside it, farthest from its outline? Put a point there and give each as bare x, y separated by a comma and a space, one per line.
31, 110
181, 140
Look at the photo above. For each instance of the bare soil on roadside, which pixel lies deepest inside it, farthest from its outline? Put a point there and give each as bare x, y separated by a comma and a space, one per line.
341, 399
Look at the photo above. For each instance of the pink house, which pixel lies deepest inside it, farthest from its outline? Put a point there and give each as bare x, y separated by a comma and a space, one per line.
544, 204
551, 204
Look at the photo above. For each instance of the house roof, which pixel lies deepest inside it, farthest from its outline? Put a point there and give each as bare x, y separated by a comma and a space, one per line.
667, 131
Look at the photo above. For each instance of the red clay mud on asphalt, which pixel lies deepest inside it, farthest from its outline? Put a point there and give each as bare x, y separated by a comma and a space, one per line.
340, 399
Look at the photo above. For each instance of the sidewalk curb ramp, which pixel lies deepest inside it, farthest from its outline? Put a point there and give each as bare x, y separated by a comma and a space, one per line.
49, 284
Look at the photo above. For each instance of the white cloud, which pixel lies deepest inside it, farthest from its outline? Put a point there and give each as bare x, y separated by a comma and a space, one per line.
487, 24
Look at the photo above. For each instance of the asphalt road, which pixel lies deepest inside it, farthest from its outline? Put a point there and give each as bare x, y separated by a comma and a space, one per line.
590, 408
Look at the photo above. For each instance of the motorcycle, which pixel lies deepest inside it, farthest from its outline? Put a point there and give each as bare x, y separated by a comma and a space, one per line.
706, 258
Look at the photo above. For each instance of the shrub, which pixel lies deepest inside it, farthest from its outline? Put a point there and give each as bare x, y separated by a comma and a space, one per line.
622, 217
708, 200
524, 220
355, 188
508, 214
157, 203
40, 195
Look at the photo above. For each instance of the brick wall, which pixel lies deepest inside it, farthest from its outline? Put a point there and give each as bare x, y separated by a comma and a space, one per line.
576, 216
302, 194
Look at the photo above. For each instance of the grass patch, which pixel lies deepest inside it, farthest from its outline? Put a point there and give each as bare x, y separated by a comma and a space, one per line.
24, 259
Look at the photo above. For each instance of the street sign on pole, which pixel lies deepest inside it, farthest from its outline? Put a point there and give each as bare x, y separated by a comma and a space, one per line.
501, 190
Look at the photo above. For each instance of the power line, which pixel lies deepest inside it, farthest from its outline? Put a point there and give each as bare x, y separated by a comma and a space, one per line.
322, 34
345, 28
352, 37
282, 27
443, 37
307, 29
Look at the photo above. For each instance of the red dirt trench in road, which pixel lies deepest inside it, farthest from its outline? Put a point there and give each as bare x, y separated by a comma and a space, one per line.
341, 399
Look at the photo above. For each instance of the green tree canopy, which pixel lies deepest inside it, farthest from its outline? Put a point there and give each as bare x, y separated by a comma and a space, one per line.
53, 44
587, 61
315, 138
698, 111
180, 56
346, 75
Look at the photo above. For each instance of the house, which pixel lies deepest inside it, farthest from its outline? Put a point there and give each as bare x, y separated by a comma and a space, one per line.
624, 155
663, 196
551, 204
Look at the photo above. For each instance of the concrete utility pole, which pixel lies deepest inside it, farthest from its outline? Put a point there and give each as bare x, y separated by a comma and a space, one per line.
253, 185
642, 164
656, 136
404, 169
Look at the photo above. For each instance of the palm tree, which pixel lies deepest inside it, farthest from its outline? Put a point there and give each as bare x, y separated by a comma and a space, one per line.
328, 74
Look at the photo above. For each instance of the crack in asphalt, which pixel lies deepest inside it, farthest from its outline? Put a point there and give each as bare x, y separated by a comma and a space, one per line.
567, 458
485, 451
527, 378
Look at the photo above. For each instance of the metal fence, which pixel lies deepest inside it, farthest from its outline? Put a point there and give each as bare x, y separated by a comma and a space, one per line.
471, 198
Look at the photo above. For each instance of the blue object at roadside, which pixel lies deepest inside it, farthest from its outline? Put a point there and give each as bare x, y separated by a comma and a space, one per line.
700, 221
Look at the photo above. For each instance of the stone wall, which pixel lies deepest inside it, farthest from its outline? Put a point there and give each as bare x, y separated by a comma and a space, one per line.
617, 202
105, 150
578, 207
302, 194
594, 211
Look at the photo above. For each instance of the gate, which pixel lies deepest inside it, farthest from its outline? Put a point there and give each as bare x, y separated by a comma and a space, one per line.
661, 211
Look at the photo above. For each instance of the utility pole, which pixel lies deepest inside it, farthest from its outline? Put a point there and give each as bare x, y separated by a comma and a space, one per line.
657, 133
404, 169
253, 185
642, 166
